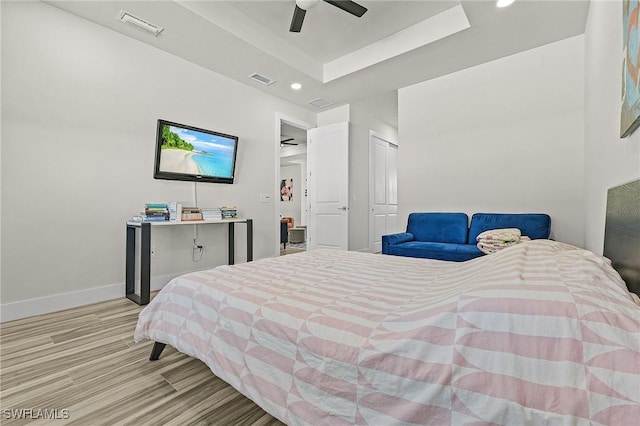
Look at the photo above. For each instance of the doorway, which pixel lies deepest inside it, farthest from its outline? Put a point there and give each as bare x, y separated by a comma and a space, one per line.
291, 195
383, 189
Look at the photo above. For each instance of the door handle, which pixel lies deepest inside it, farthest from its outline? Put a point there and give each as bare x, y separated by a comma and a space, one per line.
342, 208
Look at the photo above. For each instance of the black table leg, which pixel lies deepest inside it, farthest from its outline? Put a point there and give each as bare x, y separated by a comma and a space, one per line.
145, 263
249, 240
231, 243
130, 267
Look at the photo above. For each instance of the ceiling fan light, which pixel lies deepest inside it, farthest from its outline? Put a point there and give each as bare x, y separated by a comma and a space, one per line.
296, 86
504, 3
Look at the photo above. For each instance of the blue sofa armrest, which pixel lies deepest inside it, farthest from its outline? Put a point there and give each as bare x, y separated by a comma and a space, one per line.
393, 239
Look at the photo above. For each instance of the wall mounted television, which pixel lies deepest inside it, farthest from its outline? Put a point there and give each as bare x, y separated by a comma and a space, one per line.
193, 154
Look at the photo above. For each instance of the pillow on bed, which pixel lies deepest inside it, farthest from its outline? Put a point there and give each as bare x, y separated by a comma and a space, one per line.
493, 240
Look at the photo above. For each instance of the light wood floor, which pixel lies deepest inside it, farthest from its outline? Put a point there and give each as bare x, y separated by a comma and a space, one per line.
290, 250
293, 248
84, 361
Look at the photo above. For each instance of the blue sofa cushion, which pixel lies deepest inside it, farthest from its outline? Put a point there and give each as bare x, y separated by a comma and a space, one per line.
438, 227
440, 251
533, 225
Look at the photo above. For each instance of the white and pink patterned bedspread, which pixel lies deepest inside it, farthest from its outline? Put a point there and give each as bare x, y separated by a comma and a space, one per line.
540, 333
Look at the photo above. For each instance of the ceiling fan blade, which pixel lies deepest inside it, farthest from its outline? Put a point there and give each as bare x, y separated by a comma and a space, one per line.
297, 20
349, 6
287, 140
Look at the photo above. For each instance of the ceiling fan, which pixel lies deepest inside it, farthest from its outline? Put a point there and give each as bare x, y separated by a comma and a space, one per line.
288, 141
303, 5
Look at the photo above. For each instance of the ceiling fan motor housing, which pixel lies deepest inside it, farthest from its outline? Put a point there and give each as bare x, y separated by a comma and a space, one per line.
306, 4
302, 6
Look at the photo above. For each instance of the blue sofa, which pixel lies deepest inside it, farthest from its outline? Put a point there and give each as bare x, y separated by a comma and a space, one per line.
449, 236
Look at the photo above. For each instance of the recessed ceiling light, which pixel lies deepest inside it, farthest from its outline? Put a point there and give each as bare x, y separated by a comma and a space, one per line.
504, 3
296, 86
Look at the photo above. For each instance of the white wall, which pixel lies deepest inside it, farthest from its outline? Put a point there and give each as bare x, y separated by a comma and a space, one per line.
79, 110
334, 115
504, 136
609, 160
0, 164
363, 119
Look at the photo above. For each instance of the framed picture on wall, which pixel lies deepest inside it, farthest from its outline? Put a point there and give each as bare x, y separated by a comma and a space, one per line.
286, 189
630, 110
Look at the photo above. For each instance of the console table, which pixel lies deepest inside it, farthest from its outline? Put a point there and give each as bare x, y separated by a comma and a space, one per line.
145, 251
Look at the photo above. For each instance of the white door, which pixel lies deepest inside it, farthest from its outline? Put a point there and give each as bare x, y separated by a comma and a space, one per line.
383, 190
328, 186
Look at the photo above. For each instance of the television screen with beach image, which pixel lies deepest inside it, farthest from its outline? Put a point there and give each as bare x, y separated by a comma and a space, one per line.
190, 153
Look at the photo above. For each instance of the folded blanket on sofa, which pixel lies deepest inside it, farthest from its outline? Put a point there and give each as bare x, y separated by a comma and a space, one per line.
497, 239
505, 234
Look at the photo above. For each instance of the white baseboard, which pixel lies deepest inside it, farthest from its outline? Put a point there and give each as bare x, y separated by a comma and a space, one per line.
58, 302
365, 250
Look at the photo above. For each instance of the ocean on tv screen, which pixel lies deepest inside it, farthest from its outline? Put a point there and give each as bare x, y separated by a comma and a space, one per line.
197, 153
214, 165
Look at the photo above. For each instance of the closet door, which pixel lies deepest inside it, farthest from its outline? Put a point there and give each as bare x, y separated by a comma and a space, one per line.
383, 190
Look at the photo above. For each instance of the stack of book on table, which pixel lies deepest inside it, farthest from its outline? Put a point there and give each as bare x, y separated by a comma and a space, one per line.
190, 214
229, 212
212, 213
153, 212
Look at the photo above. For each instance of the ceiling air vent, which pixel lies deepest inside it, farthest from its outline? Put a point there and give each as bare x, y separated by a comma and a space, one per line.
320, 103
140, 23
262, 79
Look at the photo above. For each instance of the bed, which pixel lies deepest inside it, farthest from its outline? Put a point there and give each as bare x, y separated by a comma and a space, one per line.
539, 333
